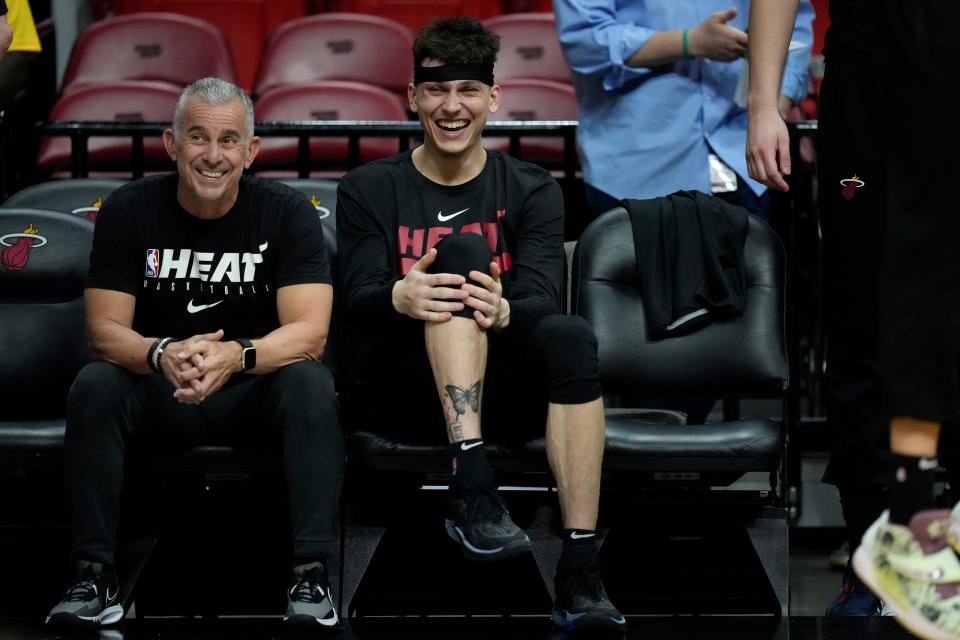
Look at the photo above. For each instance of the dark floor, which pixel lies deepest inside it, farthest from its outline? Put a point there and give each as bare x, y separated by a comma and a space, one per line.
646, 628
813, 584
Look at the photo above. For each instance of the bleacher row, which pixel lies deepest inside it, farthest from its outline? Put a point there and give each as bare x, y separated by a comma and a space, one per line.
331, 66
46, 236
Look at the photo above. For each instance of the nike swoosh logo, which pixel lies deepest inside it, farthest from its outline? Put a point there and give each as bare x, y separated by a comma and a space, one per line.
111, 597
194, 308
466, 447
443, 218
579, 536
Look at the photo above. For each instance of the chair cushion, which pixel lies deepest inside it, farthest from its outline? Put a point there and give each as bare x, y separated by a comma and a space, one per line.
374, 451
750, 444
31, 436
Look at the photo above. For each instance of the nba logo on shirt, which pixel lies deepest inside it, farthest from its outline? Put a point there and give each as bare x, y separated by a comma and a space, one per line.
153, 263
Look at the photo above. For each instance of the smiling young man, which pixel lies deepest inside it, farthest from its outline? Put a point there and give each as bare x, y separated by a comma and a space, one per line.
452, 262
207, 303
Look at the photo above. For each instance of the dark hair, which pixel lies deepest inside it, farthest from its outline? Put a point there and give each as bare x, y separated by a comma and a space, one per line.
459, 40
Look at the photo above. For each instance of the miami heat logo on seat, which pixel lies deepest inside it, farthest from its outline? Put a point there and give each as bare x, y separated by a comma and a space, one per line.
17, 247
323, 211
90, 213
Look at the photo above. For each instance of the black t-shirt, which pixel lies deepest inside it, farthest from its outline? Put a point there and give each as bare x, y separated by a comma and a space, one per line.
193, 276
389, 215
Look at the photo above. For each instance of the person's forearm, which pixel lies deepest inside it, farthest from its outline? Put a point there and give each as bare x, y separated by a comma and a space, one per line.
293, 342
120, 345
373, 298
771, 23
663, 47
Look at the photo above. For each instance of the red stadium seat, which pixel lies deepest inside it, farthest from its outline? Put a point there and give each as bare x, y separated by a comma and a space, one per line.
246, 23
531, 99
149, 46
338, 46
529, 47
125, 101
416, 13
327, 100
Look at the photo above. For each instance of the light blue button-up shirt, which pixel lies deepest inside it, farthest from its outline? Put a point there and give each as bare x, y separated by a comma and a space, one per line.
647, 131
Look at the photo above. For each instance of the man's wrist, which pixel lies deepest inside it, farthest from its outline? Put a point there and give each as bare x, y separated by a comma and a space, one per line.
503, 315
757, 102
238, 357
155, 353
691, 42
246, 356
394, 297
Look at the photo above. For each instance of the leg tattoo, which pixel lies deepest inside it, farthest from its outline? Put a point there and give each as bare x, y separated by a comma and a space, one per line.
461, 398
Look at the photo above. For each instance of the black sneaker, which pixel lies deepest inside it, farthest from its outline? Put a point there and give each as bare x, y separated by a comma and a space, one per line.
582, 602
91, 600
308, 599
855, 599
480, 522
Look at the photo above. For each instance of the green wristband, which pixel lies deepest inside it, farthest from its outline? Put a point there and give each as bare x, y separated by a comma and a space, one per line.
686, 50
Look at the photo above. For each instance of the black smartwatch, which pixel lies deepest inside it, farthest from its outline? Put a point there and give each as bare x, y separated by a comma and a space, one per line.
248, 357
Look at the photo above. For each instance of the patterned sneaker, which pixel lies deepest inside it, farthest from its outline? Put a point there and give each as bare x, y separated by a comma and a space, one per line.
91, 600
855, 599
308, 600
582, 603
480, 523
915, 572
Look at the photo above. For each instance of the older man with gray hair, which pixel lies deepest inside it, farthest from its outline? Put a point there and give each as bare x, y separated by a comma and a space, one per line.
207, 305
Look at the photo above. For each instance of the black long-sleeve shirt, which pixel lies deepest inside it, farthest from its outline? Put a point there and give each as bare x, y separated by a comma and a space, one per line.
389, 215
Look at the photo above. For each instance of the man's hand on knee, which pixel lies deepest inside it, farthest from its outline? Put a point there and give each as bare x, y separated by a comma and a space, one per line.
432, 297
491, 309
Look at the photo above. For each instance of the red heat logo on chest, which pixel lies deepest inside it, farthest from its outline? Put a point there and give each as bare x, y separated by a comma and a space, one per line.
413, 243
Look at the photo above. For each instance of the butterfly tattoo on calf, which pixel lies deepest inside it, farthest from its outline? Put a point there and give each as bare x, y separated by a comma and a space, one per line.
463, 398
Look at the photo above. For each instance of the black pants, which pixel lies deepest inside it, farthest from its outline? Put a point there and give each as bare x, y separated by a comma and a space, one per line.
850, 144
920, 303
110, 410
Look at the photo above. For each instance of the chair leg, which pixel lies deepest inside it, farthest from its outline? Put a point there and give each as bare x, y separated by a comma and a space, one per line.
358, 545
770, 536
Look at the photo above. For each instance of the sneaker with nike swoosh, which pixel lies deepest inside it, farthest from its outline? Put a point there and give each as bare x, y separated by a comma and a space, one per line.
480, 523
309, 601
582, 603
91, 600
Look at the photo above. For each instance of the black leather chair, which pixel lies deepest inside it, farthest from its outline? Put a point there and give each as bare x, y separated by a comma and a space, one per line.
745, 357
43, 262
322, 194
79, 196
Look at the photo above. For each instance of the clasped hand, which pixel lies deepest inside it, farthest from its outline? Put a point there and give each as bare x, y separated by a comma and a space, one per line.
435, 297
198, 366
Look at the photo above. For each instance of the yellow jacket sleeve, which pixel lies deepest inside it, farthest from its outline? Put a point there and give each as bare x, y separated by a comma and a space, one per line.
20, 17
